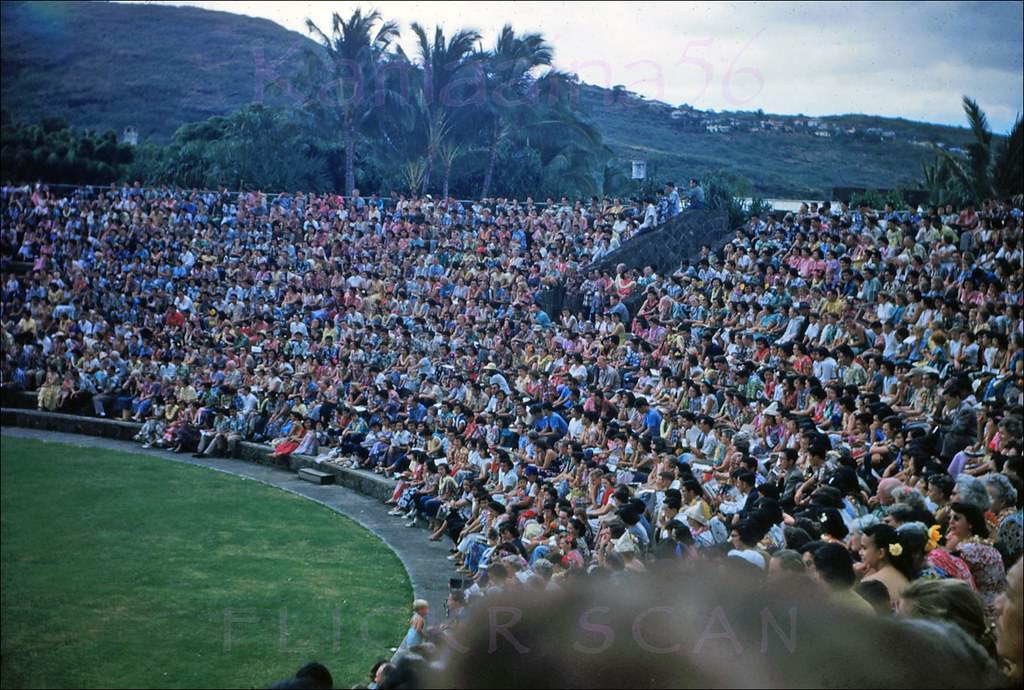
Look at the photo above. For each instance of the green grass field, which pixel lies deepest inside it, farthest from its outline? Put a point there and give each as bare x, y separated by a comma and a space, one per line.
121, 570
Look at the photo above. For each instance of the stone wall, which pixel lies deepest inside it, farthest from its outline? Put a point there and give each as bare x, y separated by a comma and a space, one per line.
366, 483
664, 248
667, 245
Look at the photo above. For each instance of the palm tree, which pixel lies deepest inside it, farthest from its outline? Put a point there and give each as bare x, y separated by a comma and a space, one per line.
572, 154
445, 63
449, 153
412, 174
509, 83
354, 52
990, 169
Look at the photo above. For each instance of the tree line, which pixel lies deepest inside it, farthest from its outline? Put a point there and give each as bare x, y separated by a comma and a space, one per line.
455, 117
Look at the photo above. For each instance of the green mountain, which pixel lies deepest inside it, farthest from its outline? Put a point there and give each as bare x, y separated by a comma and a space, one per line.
106, 66
779, 156
101, 65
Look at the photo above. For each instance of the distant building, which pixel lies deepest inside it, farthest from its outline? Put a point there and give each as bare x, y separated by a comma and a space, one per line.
888, 136
130, 136
823, 134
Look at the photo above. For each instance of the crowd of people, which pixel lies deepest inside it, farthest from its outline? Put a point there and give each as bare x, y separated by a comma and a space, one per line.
834, 392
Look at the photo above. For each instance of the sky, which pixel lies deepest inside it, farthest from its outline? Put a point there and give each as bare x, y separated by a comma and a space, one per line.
911, 60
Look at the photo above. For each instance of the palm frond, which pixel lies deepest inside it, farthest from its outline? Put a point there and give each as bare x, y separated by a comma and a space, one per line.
978, 121
1008, 166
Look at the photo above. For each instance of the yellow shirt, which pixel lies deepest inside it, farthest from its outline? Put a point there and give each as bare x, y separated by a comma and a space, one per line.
834, 306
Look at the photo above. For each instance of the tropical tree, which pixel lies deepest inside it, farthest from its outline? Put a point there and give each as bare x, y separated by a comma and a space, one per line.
449, 153
51, 151
257, 147
349, 74
448, 64
412, 174
991, 168
510, 83
572, 149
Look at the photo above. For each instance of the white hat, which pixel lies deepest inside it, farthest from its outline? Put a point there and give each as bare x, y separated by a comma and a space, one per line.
772, 409
696, 513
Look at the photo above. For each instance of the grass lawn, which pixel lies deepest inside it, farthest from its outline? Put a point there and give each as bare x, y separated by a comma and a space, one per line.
121, 570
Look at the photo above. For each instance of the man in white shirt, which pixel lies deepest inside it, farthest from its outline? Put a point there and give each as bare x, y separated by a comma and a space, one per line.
576, 423
183, 302
813, 327
824, 365
650, 217
793, 328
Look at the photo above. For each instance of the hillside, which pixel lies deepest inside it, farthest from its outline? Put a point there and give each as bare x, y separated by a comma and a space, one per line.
105, 66
791, 160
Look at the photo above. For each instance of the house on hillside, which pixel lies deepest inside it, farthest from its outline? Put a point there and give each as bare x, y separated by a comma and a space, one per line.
888, 135
130, 136
824, 134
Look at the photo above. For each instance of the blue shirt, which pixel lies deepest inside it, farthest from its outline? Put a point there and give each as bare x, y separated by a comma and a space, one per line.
553, 422
652, 421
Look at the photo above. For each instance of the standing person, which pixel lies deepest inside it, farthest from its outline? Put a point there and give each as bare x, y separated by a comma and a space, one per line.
695, 194
673, 199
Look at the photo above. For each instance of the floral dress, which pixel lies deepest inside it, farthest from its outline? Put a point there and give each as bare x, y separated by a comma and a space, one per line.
1010, 532
986, 564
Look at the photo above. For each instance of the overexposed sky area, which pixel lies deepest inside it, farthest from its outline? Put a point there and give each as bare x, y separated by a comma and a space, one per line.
899, 59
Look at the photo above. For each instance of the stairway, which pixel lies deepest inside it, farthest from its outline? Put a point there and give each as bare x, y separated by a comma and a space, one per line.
663, 248
668, 244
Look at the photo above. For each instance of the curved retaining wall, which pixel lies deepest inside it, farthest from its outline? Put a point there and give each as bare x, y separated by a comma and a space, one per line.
366, 483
